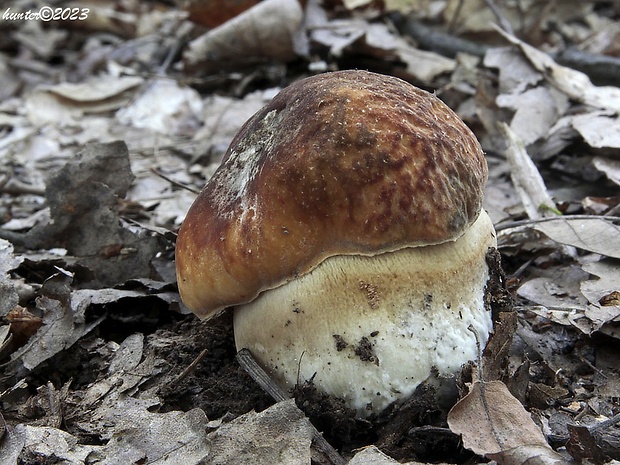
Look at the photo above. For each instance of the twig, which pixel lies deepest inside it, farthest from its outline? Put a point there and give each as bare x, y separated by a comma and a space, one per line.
15, 187
249, 364
602, 69
156, 172
503, 22
191, 367
606, 423
435, 41
455, 17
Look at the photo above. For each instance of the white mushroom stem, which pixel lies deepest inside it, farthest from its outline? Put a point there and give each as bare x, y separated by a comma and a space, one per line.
371, 329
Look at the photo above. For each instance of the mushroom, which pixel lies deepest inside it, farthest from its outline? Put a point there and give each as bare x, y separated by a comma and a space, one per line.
345, 226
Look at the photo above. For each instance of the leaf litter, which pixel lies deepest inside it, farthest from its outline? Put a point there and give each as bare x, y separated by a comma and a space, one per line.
107, 131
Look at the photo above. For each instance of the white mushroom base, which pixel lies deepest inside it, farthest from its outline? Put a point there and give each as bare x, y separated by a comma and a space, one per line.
371, 329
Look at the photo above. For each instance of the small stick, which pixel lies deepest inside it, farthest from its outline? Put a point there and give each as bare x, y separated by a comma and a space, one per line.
249, 364
606, 423
191, 367
156, 172
503, 22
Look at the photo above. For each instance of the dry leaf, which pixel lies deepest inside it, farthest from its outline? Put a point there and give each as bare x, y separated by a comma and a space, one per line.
99, 88
67, 102
421, 7
516, 74
494, 424
280, 435
583, 446
535, 113
353, 4
422, 64
62, 326
573, 83
265, 31
165, 107
599, 129
610, 167
371, 455
592, 234
23, 324
559, 291
212, 13
604, 308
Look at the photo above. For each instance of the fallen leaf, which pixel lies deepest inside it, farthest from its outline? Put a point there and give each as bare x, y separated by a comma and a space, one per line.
49, 442
99, 88
609, 166
61, 326
8, 261
66, 103
494, 424
164, 438
582, 445
599, 129
212, 13
423, 65
265, 31
573, 83
280, 435
593, 234
371, 455
83, 198
23, 324
164, 106
559, 290
607, 282
516, 74
536, 112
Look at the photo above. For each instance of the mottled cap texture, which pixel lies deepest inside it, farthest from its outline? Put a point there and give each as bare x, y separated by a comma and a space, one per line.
343, 163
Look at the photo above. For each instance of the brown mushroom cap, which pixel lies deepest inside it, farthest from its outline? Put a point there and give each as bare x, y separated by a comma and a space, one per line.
343, 163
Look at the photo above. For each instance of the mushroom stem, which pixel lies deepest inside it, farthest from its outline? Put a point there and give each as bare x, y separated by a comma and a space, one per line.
372, 328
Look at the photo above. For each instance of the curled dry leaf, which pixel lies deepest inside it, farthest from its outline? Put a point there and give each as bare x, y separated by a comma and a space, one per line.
23, 324
610, 167
68, 102
264, 32
494, 424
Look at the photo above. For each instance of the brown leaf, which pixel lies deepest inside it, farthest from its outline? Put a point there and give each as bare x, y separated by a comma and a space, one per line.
582, 445
23, 324
212, 13
494, 423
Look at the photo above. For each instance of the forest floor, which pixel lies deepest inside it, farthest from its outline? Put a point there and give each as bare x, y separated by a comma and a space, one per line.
113, 114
